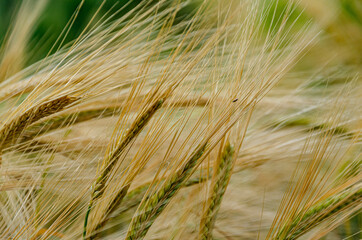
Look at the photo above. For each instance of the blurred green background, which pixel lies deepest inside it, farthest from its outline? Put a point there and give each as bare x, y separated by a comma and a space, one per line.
57, 14
55, 17
344, 27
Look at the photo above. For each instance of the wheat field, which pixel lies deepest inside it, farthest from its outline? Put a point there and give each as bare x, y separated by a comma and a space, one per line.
184, 119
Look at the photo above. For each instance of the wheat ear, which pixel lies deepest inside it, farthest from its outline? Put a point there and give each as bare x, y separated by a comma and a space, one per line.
110, 161
135, 129
155, 204
134, 197
72, 118
321, 212
14, 129
66, 120
220, 183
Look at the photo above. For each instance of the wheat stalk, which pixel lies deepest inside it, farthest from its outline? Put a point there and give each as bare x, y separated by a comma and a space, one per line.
153, 207
220, 182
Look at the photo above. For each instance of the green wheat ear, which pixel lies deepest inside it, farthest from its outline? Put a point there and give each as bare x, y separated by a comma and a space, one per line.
320, 212
153, 206
132, 199
220, 183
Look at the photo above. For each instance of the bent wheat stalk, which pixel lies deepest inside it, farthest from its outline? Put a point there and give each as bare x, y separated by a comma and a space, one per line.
155, 204
220, 183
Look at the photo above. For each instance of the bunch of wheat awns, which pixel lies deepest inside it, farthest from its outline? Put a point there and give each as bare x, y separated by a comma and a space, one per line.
223, 123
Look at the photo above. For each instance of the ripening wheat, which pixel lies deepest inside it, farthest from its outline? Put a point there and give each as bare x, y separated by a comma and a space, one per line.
149, 126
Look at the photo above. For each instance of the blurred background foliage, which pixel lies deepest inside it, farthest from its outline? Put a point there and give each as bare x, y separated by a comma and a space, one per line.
340, 21
57, 14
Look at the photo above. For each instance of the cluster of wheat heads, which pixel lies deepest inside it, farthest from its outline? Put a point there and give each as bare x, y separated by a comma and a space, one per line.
135, 129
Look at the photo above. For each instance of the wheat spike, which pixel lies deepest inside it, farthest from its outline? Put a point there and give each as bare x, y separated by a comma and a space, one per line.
135, 129
110, 161
14, 129
153, 207
320, 212
133, 198
222, 176
66, 120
